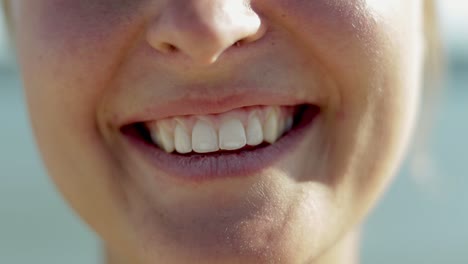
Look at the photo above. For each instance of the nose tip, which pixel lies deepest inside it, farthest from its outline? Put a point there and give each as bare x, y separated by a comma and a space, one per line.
204, 29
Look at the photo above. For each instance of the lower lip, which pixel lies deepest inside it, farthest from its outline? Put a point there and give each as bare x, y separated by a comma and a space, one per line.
199, 168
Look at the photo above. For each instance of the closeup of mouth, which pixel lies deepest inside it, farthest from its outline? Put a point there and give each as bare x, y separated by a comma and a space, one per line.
237, 143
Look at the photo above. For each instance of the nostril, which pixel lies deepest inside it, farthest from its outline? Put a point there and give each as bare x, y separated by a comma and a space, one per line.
239, 43
251, 38
168, 48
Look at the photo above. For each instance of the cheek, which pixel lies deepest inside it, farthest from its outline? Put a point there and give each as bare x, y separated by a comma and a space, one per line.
371, 52
342, 36
404, 10
80, 19
68, 51
68, 56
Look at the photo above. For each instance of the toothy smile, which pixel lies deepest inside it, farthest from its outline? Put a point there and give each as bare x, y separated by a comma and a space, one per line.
233, 130
238, 142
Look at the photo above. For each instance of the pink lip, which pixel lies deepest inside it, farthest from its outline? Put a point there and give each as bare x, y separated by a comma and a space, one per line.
200, 168
216, 102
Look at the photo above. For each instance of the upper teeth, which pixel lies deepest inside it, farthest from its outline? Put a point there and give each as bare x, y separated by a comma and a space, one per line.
228, 131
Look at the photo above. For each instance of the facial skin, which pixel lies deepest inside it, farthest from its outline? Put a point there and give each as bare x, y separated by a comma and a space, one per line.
89, 66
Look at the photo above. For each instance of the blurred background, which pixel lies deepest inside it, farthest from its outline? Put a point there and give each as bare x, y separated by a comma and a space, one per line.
423, 217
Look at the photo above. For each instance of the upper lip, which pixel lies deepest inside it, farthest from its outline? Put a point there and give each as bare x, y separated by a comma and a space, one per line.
218, 101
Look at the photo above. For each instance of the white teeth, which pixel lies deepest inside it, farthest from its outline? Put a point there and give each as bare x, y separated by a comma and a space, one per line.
163, 138
182, 140
229, 131
204, 137
254, 131
232, 135
270, 128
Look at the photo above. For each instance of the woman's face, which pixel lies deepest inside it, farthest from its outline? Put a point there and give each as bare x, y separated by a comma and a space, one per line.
150, 115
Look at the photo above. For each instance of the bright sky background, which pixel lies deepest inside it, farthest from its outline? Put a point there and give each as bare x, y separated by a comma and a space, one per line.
454, 21
453, 14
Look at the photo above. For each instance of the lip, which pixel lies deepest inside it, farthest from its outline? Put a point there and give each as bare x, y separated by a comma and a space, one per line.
200, 103
198, 168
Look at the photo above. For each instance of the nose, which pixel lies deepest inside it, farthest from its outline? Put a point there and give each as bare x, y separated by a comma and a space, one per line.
203, 29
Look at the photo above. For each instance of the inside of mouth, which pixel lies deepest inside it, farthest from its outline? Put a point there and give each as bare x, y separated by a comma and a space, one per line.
303, 115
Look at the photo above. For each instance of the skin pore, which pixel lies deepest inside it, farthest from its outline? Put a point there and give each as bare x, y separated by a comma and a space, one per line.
91, 67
